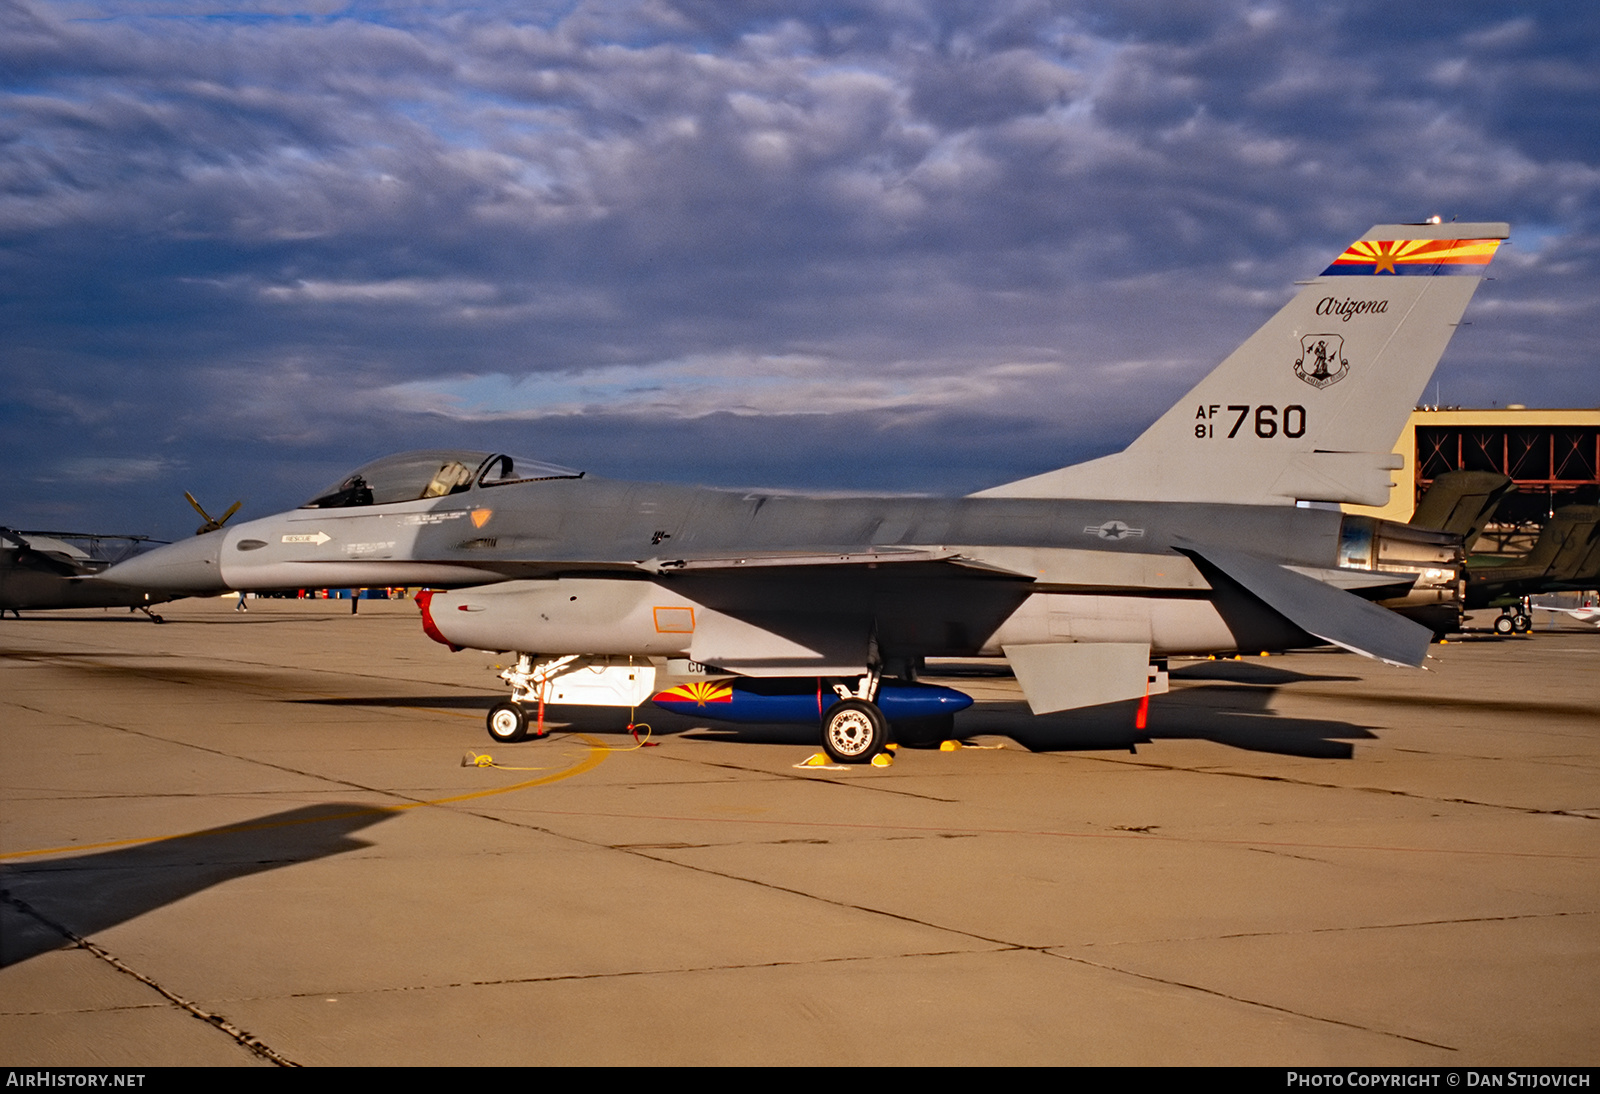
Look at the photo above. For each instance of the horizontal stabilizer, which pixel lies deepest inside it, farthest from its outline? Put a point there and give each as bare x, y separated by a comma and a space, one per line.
1322, 610
1367, 584
1362, 478
1068, 675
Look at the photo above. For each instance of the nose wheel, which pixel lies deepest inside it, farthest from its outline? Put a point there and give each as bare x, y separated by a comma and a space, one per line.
508, 723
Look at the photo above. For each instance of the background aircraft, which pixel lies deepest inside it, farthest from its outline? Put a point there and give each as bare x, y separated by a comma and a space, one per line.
48, 571
1190, 541
45, 570
1459, 504
1462, 503
1565, 556
1585, 613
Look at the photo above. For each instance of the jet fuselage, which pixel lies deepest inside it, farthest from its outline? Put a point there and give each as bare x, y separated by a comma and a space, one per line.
930, 576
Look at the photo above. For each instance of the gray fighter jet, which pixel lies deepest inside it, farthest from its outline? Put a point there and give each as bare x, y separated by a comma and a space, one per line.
1204, 536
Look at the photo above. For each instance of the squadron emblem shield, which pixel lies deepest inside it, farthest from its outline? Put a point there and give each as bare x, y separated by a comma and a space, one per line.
1321, 362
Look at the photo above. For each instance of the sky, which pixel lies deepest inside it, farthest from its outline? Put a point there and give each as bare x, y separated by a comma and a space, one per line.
888, 247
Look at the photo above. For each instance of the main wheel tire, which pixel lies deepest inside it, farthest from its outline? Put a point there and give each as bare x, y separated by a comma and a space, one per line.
508, 723
854, 731
1503, 625
1522, 623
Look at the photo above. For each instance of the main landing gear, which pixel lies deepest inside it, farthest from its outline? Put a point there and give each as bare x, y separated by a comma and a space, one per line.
854, 730
1513, 620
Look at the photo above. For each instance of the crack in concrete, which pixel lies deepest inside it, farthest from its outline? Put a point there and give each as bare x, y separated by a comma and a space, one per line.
1150, 765
81, 1010
1250, 1002
556, 978
253, 760
991, 944
243, 1038
1006, 945
1454, 921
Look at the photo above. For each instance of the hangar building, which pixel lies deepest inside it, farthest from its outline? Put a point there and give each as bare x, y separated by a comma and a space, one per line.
1552, 455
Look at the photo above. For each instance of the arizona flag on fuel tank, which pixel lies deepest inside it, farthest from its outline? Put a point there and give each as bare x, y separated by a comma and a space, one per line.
698, 693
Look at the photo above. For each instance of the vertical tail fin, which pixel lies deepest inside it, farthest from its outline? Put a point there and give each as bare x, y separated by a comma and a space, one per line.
1462, 503
1309, 407
1564, 544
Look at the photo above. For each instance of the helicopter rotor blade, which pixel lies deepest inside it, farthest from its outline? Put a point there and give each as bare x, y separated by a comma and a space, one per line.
197, 507
212, 523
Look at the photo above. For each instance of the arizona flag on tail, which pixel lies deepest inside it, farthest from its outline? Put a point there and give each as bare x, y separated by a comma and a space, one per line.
1411, 257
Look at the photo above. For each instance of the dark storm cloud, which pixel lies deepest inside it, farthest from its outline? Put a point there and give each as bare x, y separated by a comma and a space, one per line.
877, 246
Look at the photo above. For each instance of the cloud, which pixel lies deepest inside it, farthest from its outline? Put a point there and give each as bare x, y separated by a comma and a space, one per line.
111, 471
699, 387
290, 236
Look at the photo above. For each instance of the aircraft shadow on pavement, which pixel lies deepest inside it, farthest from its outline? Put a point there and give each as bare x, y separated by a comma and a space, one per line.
410, 702
116, 615
581, 719
793, 734
1251, 672
1227, 714
120, 664
103, 616
44, 904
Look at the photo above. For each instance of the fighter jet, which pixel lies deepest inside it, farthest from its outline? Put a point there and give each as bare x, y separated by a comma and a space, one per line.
1462, 503
48, 571
1193, 540
1565, 556
45, 571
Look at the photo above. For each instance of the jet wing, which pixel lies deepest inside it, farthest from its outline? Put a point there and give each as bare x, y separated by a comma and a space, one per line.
765, 559
1321, 610
933, 602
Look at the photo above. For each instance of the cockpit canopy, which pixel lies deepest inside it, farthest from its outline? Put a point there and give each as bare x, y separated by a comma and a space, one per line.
431, 473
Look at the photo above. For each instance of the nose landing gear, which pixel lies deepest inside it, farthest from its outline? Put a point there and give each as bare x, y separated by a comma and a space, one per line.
508, 720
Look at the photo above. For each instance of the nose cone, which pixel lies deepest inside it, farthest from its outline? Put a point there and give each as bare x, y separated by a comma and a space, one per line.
188, 568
